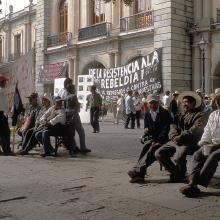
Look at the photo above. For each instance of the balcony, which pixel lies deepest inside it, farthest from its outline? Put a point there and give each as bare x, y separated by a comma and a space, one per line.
59, 39
137, 21
97, 30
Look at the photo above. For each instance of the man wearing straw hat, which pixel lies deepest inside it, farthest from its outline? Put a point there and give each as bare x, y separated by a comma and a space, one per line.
184, 135
205, 160
4, 127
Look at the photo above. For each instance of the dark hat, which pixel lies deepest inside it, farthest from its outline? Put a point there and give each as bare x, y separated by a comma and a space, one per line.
3, 78
33, 95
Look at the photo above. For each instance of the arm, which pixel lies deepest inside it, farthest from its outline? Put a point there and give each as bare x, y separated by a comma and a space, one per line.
60, 118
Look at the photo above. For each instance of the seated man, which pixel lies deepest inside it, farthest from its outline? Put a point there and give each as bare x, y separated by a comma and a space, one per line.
53, 119
205, 160
29, 140
156, 126
184, 136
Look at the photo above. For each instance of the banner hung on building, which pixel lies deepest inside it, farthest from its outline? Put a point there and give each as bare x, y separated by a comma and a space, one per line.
143, 75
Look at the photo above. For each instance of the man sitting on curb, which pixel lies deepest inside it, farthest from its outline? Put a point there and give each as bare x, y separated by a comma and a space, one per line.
184, 136
156, 126
205, 160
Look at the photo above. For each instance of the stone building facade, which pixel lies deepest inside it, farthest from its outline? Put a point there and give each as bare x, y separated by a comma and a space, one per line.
17, 35
76, 35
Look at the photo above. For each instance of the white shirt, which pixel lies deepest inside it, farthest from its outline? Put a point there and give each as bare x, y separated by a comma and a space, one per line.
154, 114
54, 116
3, 102
137, 103
166, 101
120, 104
129, 105
63, 93
211, 133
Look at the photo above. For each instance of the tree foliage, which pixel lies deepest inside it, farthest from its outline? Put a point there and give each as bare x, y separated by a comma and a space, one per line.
127, 2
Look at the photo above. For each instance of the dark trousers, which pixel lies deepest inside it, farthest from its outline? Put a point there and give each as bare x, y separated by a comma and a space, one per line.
170, 149
146, 158
137, 117
4, 134
204, 167
130, 117
94, 118
29, 140
44, 135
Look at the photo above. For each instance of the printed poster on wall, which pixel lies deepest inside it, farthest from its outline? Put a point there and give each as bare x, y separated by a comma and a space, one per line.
143, 75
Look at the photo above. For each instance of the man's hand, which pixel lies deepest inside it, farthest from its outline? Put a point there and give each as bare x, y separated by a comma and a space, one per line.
146, 130
176, 140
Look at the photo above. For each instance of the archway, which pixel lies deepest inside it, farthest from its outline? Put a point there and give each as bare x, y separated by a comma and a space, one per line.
134, 58
92, 65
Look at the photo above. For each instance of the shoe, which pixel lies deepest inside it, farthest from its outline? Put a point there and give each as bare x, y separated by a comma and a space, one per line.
132, 173
47, 155
94, 132
85, 151
137, 179
9, 154
190, 191
177, 178
22, 152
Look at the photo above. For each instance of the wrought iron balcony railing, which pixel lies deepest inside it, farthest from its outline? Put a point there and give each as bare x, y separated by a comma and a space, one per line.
137, 21
59, 39
97, 30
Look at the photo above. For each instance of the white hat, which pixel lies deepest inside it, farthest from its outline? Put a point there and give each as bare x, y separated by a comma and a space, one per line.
48, 97
198, 91
176, 93
217, 90
192, 94
152, 97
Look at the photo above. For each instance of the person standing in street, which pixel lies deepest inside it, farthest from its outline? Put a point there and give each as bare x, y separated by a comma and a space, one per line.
130, 110
166, 100
120, 108
4, 112
94, 100
137, 107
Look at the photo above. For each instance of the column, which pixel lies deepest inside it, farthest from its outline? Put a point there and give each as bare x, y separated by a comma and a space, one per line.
197, 70
111, 60
71, 68
208, 70
117, 59
74, 69
198, 9
70, 16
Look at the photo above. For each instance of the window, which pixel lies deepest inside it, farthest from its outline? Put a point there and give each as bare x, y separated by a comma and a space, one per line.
218, 15
0, 50
17, 44
142, 6
63, 12
98, 11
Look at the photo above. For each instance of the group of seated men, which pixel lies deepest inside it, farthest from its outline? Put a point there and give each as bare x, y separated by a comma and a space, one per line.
60, 119
169, 142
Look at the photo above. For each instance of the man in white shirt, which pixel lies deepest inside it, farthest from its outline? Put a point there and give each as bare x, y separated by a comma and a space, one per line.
166, 100
120, 108
205, 160
4, 112
130, 111
53, 120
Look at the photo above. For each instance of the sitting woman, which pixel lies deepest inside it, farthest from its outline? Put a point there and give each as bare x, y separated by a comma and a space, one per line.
53, 121
29, 140
205, 160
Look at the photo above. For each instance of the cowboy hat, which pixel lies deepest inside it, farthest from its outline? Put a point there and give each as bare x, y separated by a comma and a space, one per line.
192, 94
3, 78
152, 97
48, 97
217, 90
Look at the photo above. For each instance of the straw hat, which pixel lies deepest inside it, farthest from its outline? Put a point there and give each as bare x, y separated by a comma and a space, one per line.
217, 90
192, 94
152, 97
48, 97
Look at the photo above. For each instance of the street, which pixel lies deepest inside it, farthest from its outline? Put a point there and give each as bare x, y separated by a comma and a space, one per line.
96, 186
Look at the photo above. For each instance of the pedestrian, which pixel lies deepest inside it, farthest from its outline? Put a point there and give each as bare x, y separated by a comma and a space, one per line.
174, 105
137, 107
4, 113
166, 100
156, 128
205, 160
130, 111
144, 102
120, 108
94, 100
184, 135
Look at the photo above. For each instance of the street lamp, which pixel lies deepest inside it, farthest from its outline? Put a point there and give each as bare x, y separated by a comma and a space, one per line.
203, 45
